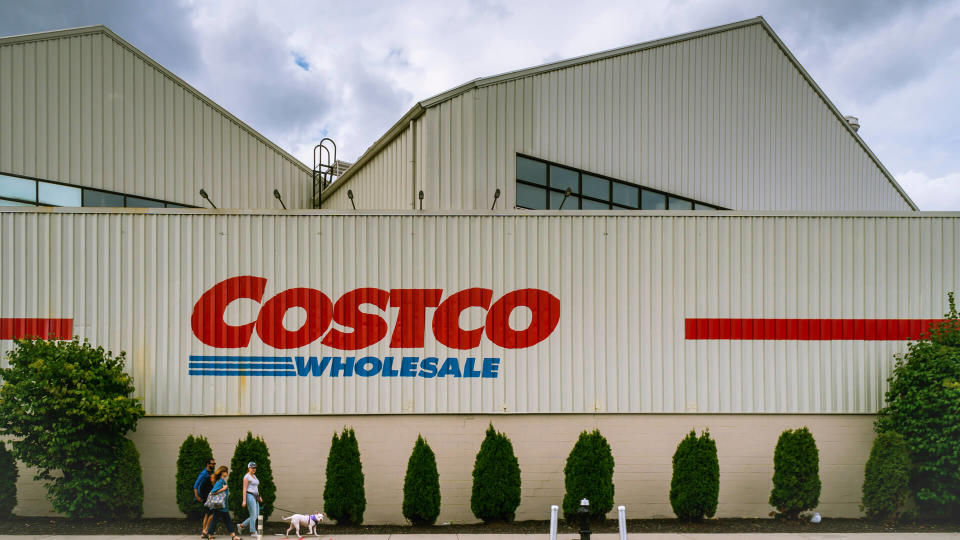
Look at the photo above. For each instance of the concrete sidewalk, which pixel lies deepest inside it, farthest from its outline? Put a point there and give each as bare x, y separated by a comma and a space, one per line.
651, 536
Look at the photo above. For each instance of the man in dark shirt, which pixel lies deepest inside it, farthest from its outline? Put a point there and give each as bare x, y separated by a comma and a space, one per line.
201, 488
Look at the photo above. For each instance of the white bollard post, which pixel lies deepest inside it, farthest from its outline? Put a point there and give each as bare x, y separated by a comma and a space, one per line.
622, 511
553, 521
260, 526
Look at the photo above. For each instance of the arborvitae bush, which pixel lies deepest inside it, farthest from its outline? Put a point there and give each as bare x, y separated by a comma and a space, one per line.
923, 406
796, 473
251, 449
496, 479
127, 483
588, 474
344, 498
695, 487
8, 482
886, 483
194, 454
421, 486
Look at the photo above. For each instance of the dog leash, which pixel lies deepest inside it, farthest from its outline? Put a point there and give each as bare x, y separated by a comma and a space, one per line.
285, 510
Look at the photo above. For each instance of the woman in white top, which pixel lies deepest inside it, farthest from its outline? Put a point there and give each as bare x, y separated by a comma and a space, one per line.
251, 499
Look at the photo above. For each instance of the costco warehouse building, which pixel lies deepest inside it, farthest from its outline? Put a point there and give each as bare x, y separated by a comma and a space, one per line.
730, 255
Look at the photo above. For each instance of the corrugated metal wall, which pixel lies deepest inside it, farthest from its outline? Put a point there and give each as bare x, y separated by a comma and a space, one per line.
86, 109
370, 191
626, 284
725, 119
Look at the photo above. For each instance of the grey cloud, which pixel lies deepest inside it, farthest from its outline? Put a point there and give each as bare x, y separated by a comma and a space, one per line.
161, 29
829, 39
254, 74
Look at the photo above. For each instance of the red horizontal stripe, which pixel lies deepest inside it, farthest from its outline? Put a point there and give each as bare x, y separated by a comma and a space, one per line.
21, 328
809, 329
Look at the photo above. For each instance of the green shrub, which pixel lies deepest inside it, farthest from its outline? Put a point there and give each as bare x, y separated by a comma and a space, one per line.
695, 487
344, 499
194, 454
496, 479
8, 482
886, 482
421, 486
588, 474
251, 449
796, 473
110, 488
923, 406
66, 407
127, 482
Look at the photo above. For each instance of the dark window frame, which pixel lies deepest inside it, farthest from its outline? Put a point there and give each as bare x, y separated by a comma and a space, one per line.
612, 205
83, 189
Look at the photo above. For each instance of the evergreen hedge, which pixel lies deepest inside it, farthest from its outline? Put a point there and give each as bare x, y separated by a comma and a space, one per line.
886, 482
923, 406
695, 486
496, 479
344, 499
8, 482
796, 473
194, 454
588, 474
421, 485
251, 449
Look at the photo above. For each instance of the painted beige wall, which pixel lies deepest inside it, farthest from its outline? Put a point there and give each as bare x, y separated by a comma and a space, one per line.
642, 445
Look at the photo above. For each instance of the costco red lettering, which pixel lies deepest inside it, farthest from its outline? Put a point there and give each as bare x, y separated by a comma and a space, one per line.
411, 320
270, 323
446, 320
368, 329
207, 320
545, 310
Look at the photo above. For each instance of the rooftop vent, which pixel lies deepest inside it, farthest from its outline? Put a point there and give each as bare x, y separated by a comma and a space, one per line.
340, 167
853, 121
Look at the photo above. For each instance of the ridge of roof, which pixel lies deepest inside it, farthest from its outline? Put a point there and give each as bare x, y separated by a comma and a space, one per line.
101, 29
420, 107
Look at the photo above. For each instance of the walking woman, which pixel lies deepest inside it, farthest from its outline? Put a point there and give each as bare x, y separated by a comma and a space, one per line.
251, 499
221, 494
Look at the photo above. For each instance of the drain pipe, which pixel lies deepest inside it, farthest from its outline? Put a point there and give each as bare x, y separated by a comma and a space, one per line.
413, 161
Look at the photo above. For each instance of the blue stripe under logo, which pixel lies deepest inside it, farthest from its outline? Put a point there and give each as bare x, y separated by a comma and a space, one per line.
242, 366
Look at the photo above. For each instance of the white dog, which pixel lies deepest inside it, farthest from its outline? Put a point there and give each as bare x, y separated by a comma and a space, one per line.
309, 520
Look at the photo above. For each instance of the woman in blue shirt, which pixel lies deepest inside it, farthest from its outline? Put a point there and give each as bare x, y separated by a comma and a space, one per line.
221, 513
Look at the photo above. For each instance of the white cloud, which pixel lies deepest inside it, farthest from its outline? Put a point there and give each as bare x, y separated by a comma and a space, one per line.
940, 193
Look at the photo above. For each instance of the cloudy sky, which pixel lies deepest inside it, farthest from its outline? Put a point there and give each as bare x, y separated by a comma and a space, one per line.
301, 70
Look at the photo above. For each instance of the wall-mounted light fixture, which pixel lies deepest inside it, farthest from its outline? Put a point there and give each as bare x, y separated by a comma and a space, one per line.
207, 197
276, 195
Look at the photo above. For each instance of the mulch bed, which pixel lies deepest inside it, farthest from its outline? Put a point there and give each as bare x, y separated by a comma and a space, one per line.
150, 526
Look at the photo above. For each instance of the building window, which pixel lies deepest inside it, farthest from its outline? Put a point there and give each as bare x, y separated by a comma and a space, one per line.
542, 186
19, 191
13, 188
58, 195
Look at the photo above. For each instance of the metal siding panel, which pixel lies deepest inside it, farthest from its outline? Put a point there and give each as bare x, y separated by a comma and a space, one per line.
626, 284
87, 111
723, 118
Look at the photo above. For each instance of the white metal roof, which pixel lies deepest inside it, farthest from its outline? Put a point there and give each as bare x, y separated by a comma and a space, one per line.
420, 107
101, 29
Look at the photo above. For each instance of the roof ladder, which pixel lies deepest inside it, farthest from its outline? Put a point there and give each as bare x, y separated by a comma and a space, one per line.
324, 168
